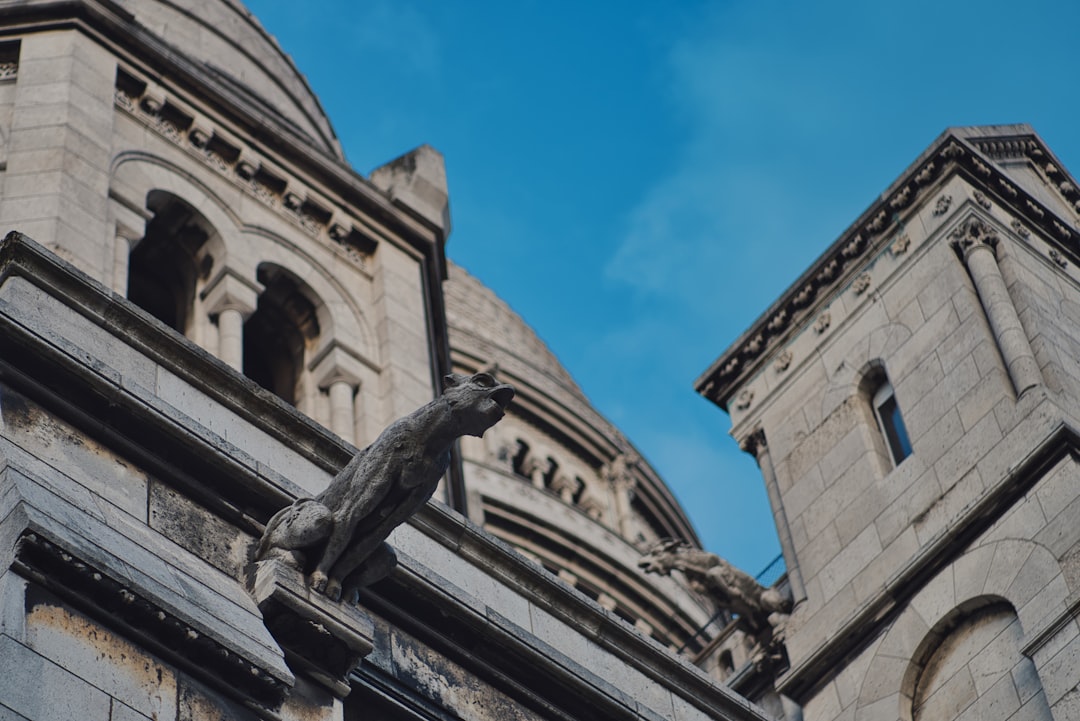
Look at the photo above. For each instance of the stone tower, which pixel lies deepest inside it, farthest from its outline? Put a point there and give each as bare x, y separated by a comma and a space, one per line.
912, 403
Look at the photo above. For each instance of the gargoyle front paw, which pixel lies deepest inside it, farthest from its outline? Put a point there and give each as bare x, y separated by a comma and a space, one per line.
333, 589
319, 581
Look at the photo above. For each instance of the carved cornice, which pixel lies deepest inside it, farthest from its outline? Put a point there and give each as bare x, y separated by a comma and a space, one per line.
173, 120
880, 225
94, 591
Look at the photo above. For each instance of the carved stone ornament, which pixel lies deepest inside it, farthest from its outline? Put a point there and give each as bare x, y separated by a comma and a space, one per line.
981, 199
744, 400
861, 284
941, 207
1062, 230
973, 232
729, 588
1020, 229
783, 361
822, 323
953, 150
900, 245
926, 174
9, 70
1057, 258
339, 537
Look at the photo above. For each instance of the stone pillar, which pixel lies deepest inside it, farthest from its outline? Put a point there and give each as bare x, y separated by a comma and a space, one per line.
566, 486
537, 468
232, 299
976, 243
755, 445
619, 475
338, 371
130, 227
231, 336
342, 420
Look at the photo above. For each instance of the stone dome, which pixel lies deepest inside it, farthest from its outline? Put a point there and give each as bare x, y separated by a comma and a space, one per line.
235, 49
559, 482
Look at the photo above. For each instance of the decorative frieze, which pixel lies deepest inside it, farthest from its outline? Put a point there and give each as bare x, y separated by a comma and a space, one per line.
152, 106
731, 369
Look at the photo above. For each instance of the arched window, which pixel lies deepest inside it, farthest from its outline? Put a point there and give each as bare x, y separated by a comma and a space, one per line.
894, 444
891, 422
277, 334
163, 266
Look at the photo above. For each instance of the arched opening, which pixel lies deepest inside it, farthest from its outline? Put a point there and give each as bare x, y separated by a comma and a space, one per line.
278, 334
971, 667
164, 265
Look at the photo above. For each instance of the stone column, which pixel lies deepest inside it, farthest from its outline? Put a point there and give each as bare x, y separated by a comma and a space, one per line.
755, 445
338, 371
129, 228
342, 420
976, 243
231, 336
619, 474
537, 468
232, 299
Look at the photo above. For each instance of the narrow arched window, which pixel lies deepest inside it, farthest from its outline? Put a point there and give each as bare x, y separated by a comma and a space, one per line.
278, 333
890, 421
163, 265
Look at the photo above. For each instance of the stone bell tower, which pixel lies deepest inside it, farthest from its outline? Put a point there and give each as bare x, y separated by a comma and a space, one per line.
912, 403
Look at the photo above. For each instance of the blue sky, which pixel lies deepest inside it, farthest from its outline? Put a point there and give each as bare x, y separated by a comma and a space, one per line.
640, 180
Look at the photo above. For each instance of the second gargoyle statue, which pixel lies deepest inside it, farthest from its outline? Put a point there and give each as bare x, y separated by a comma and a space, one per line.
339, 537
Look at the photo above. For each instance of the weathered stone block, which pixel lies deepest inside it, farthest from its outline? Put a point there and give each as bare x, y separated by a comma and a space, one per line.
24, 673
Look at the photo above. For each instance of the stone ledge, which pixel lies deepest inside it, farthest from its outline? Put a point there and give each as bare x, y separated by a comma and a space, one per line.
321, 638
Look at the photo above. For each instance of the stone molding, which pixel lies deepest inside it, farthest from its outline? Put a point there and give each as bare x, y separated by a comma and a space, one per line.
321, 639
172, 119
953, 153
196, 632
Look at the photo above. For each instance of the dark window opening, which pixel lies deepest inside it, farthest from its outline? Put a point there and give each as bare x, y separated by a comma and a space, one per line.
163, 266
277, 333
891, 423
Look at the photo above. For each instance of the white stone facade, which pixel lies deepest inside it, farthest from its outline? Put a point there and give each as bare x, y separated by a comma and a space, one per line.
203, 312
942, 586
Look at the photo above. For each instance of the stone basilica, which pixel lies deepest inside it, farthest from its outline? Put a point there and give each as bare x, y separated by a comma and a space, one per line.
205, 312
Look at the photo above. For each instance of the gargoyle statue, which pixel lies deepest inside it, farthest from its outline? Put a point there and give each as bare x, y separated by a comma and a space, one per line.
729, 587
339, 536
